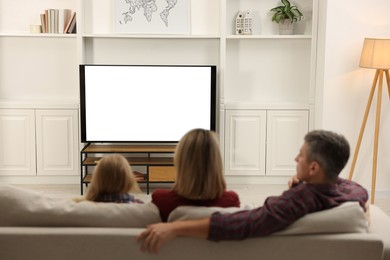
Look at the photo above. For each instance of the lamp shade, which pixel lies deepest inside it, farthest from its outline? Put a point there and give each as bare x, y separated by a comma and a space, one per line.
375, 54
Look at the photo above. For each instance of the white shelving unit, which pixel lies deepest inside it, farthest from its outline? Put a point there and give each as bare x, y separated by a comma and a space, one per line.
267, 90
261, 73
38, 78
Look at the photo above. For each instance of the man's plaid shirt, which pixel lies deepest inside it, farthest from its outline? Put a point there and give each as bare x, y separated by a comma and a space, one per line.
279, 212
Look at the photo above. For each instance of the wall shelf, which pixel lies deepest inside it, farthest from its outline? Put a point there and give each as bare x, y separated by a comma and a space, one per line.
37, 35
149, 36
269, 37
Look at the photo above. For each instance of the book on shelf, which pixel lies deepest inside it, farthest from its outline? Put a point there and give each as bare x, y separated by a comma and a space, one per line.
43, 23
47, 20
51, 19
139, 176
56, 20
71, 26
63, 18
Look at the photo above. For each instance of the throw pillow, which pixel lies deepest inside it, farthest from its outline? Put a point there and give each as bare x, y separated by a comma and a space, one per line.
347, 218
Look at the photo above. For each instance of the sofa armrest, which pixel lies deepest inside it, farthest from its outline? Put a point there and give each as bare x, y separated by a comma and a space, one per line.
380, 226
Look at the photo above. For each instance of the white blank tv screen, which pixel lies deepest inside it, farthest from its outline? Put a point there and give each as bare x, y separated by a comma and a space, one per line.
148, 103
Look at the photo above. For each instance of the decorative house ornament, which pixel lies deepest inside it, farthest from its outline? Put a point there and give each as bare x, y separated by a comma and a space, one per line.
244, 23
240, 23
247, 23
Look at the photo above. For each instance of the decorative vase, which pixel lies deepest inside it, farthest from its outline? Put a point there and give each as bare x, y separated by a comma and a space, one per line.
286, 27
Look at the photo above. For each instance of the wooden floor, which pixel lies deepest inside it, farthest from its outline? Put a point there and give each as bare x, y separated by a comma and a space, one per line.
252, 195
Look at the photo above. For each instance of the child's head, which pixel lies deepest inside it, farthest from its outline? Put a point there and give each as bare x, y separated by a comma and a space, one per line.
198, 162
112, 175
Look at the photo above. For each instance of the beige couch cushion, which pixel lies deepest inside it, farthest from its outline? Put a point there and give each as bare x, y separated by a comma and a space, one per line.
346, 218
25, 208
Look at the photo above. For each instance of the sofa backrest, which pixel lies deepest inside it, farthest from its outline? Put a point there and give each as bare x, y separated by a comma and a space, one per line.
20, 207
25, 208
347, 218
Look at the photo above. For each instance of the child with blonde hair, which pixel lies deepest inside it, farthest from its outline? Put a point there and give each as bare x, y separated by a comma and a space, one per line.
112, 181
199, 176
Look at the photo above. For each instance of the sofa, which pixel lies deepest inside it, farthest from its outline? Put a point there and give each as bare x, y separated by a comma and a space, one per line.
36, 226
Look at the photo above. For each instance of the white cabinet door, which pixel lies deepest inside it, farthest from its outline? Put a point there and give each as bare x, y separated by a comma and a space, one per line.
245, 142
285, 133
57, 142
17, 142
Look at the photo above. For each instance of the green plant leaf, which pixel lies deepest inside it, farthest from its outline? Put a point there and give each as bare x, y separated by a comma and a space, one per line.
279, 17
290, 16
286, 3
296, 14
277, 9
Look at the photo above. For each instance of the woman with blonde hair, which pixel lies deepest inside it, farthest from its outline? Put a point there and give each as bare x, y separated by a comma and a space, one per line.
199, 176
112, 181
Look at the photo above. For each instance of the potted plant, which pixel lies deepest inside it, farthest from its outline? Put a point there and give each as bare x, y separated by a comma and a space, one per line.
286, 15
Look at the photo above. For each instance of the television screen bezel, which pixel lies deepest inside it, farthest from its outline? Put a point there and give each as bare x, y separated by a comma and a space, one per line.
83, 137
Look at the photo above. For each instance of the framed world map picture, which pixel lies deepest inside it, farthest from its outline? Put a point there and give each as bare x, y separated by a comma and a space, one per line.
151, 16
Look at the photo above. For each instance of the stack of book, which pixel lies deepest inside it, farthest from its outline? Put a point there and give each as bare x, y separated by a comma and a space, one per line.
139, 177
58, 21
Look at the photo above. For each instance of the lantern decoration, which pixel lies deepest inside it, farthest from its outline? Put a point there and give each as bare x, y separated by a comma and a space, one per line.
244, 23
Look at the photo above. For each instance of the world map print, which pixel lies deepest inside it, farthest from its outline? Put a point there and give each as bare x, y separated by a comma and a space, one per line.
152, 16
149, 8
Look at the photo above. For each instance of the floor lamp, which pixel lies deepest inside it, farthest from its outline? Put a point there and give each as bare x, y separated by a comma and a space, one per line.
375, 55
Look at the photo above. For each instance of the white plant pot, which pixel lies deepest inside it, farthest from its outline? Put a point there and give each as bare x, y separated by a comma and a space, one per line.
286, 27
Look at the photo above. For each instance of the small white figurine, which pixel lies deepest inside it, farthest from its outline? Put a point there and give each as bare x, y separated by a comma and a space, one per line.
247, 23
240, 23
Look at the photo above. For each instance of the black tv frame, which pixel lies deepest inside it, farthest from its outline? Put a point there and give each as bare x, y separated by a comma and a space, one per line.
83, 130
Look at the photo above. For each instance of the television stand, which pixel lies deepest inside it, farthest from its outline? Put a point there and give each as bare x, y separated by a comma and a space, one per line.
158, 160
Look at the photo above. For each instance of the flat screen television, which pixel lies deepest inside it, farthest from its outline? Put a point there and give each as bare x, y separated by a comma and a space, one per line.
145, 103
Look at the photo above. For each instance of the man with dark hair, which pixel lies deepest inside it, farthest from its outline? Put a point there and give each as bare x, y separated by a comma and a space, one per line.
329, 149
315, 187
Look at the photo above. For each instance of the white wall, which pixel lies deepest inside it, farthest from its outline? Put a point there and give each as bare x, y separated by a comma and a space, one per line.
346, 86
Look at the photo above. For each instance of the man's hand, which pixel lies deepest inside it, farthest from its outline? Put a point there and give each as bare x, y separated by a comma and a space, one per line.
155, 236
293, 181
